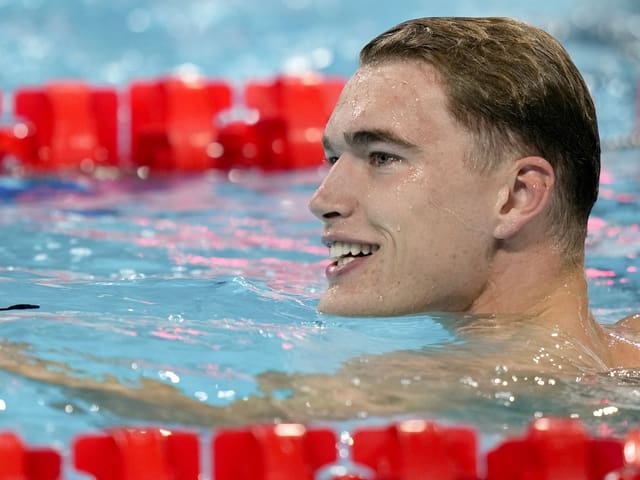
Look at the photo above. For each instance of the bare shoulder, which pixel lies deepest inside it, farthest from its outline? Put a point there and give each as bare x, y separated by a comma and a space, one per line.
624, 346
632, 322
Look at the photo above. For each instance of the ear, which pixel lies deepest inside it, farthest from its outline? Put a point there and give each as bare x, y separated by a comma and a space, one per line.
525, 194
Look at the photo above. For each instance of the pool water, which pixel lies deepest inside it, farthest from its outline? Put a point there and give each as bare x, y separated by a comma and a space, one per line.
199, 292
205, 283
198, 282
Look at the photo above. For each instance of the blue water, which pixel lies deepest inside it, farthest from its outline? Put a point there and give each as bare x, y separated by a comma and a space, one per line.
205, 282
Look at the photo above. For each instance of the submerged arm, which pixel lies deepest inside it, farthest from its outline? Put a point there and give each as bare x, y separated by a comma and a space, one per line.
407, 382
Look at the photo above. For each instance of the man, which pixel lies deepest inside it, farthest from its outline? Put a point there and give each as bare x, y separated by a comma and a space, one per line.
465, 161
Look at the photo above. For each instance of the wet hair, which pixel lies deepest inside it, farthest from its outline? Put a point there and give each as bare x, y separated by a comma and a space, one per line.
515, 88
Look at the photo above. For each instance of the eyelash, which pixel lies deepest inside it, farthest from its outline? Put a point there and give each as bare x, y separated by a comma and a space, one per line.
380, 159
374, 159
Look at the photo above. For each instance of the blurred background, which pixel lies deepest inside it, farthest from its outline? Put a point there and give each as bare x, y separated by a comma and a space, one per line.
115, 41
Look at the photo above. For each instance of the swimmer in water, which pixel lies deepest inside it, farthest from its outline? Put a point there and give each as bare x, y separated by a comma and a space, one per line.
465, 160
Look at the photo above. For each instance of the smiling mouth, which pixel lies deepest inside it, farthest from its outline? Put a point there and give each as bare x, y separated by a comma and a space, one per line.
344, 252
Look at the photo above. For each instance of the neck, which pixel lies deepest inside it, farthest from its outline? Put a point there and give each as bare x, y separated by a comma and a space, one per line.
540, 285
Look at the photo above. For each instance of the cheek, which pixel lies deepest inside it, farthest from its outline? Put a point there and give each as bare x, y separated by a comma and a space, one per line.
414, 196
449, 223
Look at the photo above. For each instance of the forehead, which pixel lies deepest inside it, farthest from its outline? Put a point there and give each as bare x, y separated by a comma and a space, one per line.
404, 95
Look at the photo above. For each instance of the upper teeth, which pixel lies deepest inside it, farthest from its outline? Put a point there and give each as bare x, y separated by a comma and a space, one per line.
338, 249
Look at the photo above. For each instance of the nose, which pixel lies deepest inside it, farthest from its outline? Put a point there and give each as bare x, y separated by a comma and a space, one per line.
336, 196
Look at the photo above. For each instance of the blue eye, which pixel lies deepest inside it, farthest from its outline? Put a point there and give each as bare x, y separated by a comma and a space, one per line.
380, 159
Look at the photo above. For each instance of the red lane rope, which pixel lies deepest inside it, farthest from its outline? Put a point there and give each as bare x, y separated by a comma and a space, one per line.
552, 448
169, 124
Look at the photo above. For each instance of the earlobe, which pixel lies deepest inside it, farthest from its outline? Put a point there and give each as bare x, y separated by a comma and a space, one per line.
525, 195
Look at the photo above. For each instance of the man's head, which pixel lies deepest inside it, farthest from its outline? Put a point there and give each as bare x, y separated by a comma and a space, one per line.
455, 139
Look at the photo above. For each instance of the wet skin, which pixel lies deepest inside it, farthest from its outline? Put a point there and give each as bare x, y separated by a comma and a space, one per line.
413, 226
399, 181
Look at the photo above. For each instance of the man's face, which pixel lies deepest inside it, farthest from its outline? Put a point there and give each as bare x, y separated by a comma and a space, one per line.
409, 225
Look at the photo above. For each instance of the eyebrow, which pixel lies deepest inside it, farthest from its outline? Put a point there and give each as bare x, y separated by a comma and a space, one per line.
361, 138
